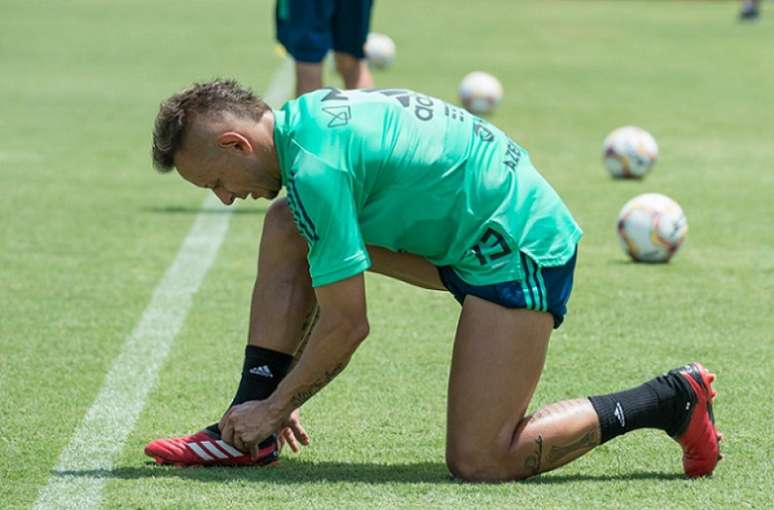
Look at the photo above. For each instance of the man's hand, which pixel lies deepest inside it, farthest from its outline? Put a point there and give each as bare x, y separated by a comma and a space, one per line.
293, 433
342, 326
246, 425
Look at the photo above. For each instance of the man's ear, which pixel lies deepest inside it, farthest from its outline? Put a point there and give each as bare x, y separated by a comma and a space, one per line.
235, 141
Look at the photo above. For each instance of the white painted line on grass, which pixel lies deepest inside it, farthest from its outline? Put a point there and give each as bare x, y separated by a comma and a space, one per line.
86, 462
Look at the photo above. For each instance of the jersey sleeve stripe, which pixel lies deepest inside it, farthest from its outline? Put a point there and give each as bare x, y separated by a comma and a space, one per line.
306, 222
529, 296
541, 289
302, 227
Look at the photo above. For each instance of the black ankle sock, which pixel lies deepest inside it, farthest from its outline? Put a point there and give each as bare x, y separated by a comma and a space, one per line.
659, 403
262, 372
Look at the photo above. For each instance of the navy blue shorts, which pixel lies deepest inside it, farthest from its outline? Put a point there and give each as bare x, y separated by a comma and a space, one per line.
308, 29
545, 289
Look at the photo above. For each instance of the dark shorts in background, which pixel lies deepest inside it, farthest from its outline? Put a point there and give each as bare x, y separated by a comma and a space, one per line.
308, 29
545, 289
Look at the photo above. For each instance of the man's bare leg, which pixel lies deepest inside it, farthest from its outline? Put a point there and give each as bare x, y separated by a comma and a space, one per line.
353, 71
283, 302
308, 77
498, 358
406, 267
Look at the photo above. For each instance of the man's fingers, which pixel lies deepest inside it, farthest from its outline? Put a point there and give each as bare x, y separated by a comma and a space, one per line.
227, 431
287, 434
299, 432
240, 445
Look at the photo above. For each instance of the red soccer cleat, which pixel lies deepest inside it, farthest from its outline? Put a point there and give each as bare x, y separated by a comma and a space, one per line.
207, 449
699, 439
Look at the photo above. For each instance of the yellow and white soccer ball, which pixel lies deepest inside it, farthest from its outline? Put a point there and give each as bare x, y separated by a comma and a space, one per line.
651, 227
480, 92
379, 50
629, 152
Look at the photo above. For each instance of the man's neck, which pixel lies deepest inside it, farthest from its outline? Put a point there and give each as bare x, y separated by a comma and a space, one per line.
264, 139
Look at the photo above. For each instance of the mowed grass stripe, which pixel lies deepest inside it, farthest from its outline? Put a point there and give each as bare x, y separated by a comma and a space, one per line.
86, 462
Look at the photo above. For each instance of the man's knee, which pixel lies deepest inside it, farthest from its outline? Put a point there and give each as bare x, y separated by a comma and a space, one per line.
480, 469
495, 462
279, 230
474, 467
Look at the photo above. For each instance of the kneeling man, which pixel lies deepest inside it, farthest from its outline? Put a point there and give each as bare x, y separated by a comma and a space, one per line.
406, 185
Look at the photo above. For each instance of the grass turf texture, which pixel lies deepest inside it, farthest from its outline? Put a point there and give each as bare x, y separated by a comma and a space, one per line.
88, 230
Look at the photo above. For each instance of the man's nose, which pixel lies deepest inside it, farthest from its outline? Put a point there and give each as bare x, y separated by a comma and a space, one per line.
225, 196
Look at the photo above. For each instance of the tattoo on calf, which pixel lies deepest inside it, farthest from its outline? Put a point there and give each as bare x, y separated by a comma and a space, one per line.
589, 440
534, 461
306, 393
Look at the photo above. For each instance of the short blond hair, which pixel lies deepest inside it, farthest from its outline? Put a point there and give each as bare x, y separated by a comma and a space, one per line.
212, 97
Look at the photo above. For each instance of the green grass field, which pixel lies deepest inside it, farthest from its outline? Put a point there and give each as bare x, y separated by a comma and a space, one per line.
88, 229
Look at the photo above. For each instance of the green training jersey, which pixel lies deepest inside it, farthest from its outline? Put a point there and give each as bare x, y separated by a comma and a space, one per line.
407, 172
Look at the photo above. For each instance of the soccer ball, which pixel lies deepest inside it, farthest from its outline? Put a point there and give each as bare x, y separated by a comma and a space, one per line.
379, 50
651, 227
629, 152
480, 92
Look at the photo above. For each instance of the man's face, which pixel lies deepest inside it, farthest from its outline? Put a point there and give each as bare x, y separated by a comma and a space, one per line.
230, 166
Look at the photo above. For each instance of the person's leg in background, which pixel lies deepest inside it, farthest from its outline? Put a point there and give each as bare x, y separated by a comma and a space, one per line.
304, 28
749, 10
350, 25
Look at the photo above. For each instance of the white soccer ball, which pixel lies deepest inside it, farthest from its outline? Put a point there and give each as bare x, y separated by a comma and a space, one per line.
480, 92
379, 50
629, 152
652, 227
